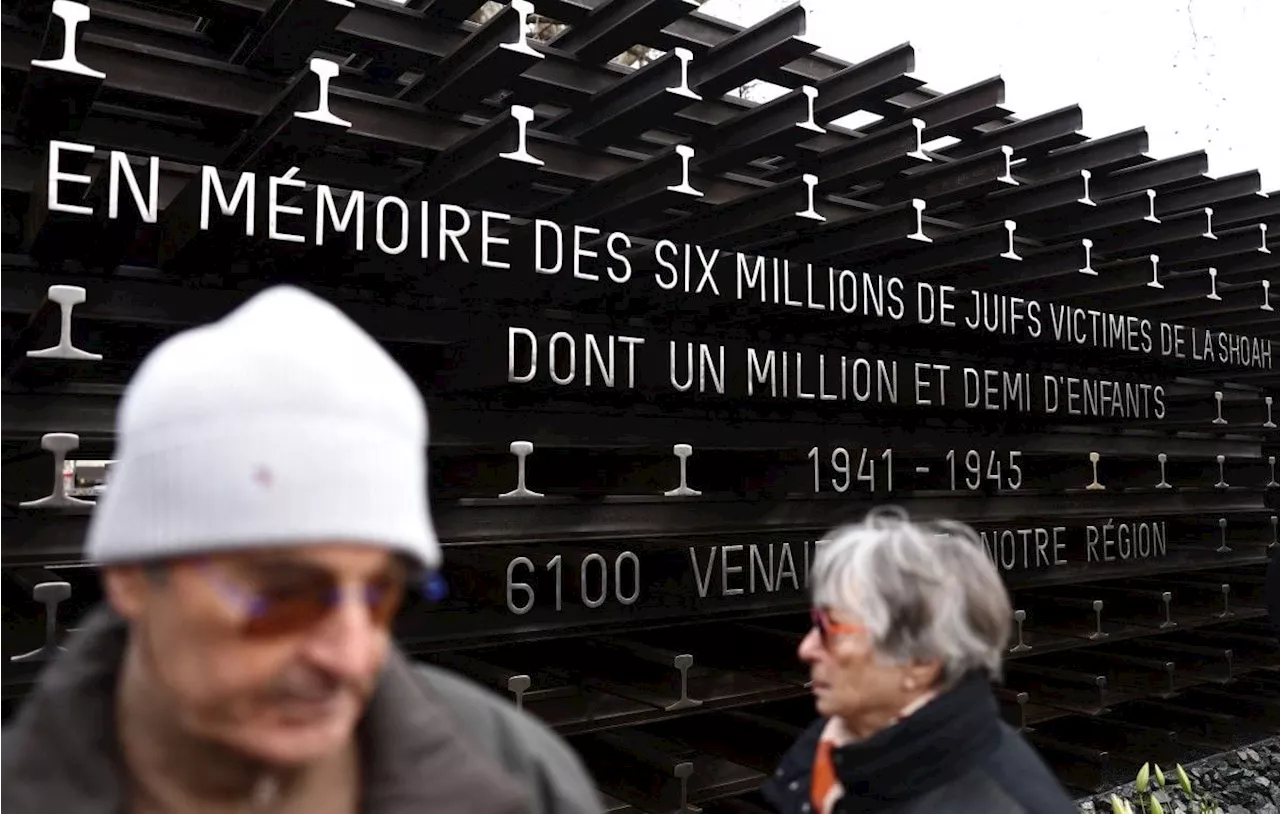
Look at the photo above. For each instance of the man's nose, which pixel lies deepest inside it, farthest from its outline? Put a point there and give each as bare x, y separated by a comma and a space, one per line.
346, 643
810, 647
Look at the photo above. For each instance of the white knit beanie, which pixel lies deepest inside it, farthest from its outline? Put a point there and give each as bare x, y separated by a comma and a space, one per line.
281, 424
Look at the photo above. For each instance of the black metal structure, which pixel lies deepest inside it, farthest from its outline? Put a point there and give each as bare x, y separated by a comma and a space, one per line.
670, 339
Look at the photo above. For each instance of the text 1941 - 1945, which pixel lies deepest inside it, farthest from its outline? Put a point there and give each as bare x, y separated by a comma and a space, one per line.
843, 470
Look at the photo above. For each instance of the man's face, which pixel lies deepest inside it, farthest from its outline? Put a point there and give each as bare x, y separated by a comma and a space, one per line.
273, 653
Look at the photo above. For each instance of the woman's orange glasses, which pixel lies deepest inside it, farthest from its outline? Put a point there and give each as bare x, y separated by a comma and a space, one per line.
827, 628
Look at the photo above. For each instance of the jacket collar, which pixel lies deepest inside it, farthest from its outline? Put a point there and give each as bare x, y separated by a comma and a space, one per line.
61, 753
931, 747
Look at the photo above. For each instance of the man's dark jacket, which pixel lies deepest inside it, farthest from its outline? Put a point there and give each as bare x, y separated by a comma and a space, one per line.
953, 755
431, 742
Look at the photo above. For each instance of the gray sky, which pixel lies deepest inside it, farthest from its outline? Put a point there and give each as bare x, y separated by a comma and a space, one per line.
1191, 71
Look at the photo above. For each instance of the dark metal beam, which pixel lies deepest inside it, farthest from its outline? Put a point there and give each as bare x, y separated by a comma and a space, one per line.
1209, 194
60, 88
392, 26
381, 123
987, 244
289, 136
378, 122
699, 31
873, 80
774, 41
773, 127
957, 111
615, 25
897, 226
882, 155
1252, 265
404, 41
1152, 175
1252, 208
1138, 208
1029, 137
1245, 240
1064, 259
1049, 199
485, 62
48, 232
216, 87
453, 11
1159, 289
32, 11
1239, 300
650, 185
171, 77
92, 237
284, 38
1145, 239
1106, 279
776, 207
16, 347
696, 31
299, 124
631, 105
492, 156
114, 237
939, 184
1099, 155
174, 306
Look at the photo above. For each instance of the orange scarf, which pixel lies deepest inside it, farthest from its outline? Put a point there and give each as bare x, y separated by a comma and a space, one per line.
825, 788
824, 776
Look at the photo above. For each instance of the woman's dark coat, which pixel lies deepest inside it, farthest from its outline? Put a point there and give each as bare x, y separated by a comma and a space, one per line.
955, 754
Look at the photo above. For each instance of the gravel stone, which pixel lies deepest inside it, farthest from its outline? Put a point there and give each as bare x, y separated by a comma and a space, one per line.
1241, 781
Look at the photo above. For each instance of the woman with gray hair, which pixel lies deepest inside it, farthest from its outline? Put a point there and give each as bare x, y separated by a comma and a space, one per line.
910, 622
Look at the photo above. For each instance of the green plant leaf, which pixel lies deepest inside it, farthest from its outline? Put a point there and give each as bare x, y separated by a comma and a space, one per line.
1156, 808
1159, 776
1117, 805
1144, 778
1183, 780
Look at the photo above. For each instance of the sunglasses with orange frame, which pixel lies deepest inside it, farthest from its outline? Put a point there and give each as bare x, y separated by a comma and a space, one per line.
827, 628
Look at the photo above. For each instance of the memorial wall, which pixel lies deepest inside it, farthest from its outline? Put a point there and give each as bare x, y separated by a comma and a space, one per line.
670, 339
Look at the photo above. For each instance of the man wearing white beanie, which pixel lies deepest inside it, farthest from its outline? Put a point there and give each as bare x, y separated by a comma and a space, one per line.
267, 512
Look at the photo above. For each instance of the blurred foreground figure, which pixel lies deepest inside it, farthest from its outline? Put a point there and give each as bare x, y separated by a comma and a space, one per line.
266, 516
909, 625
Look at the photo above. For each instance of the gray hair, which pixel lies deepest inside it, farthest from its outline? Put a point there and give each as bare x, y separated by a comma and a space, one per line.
926, 591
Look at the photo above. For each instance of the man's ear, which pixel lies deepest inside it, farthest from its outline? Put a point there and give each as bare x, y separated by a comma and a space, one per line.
128, 589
